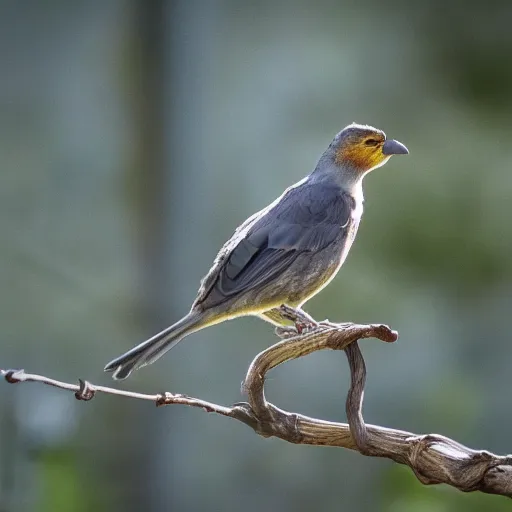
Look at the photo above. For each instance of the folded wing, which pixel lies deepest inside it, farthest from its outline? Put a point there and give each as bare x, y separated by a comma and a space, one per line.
306, 219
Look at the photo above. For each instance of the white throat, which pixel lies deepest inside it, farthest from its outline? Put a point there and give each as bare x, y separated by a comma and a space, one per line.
356, 191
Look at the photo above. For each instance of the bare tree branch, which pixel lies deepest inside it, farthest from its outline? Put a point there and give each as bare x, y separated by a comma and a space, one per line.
433, 458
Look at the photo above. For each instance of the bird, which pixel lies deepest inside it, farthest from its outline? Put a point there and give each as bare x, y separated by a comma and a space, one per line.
287, 252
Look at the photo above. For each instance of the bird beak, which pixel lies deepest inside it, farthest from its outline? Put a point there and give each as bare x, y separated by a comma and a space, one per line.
393, 147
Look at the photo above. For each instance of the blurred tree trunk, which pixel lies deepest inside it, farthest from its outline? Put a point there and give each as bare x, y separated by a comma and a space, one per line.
149, 58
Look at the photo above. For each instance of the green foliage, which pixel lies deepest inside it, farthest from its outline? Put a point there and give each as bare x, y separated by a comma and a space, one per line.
60, 484
402, 492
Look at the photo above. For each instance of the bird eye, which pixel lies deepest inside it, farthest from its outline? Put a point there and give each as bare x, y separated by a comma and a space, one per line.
371, 142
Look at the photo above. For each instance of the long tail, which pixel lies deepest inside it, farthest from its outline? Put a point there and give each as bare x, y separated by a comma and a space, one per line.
154, 348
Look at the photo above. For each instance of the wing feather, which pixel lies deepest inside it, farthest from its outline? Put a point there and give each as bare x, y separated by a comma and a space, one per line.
307, 218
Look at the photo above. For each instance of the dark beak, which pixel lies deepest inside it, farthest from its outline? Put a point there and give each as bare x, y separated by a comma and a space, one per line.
393, 147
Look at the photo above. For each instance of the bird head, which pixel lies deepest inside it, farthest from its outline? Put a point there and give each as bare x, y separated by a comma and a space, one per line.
365, 148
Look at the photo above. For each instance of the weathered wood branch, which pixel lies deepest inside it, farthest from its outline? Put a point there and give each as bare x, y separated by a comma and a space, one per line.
433, 458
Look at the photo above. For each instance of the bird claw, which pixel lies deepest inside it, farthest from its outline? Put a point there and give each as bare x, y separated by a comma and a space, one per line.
305, 327
298, 328
303, 323
286, 331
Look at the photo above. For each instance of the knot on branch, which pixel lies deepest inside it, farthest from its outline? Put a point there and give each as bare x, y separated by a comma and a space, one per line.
86, 391
13, 376
436, 459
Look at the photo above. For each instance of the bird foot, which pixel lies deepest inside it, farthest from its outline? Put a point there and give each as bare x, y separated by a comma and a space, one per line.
302, 322
286, 331
304, 327
298, 328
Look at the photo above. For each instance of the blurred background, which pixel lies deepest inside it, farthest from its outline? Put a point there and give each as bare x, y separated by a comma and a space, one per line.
135, 136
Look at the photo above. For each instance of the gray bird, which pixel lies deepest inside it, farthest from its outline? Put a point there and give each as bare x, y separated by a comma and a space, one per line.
285, 253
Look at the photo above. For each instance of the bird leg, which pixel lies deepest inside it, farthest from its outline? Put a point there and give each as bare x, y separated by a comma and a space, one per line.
302, 322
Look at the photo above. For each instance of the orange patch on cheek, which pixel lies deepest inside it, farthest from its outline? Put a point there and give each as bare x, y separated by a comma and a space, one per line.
361, 158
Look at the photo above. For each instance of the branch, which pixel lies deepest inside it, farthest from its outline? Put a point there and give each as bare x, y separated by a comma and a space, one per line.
433, 458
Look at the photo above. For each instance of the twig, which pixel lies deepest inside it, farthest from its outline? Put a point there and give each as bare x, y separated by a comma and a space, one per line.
433, 458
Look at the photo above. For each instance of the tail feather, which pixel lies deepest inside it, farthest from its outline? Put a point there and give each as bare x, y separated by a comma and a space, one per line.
154, 348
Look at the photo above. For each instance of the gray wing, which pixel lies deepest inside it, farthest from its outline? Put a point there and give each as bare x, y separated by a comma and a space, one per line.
307, 218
